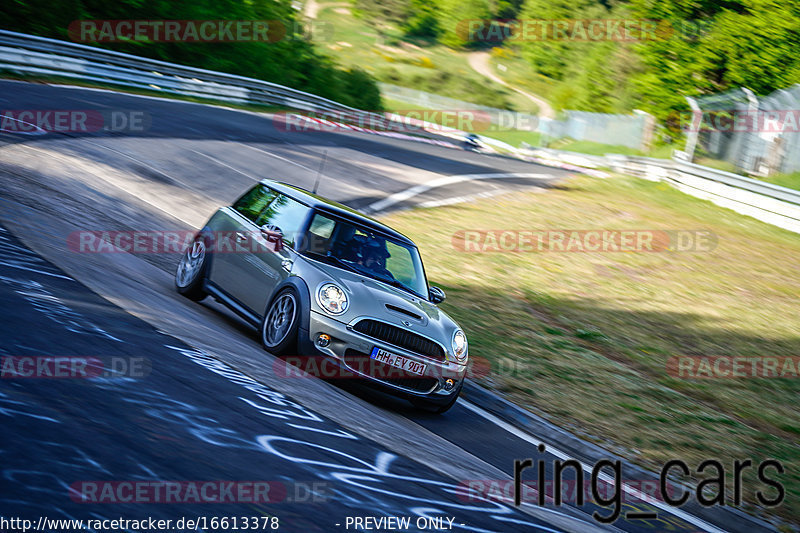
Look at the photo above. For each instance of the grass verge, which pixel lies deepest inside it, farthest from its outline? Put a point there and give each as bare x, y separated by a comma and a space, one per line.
511, 136
593, 148
392, 57
792, 181
584, 338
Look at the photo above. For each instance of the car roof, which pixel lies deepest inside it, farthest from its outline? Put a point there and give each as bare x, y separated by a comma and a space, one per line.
325, 205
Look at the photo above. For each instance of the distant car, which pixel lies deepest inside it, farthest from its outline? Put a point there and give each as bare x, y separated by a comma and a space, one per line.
472, 143
320, 279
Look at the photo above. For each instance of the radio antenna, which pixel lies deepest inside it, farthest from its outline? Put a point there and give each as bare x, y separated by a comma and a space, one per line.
319, 172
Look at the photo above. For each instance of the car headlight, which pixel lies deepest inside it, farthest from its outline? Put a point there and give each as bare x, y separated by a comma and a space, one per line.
460, 345
332, 298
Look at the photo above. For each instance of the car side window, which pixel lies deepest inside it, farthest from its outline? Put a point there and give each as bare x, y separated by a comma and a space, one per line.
287, 214
253, 202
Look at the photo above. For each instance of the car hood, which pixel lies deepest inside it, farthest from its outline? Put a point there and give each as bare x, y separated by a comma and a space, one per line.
373, 299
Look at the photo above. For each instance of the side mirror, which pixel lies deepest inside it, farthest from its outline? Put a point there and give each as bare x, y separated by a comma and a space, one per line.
274, 235
436, 295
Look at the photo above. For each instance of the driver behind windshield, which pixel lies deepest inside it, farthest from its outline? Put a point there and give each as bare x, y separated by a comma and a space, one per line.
366, 252
374, 256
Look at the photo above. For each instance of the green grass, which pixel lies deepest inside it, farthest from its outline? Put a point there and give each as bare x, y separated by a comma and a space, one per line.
513, 137
593, 148
791, 181
589, 334
516, 137
393, 58
716, 164
508, 65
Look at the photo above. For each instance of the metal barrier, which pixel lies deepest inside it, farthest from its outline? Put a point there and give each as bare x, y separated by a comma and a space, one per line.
779, 206
28, 54
769, 203
33, 55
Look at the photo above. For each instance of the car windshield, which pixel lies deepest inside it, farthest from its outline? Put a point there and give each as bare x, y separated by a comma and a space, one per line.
366, 252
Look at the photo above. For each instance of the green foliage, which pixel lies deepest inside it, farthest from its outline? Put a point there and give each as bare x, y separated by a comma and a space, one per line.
360, 90
291, 61
377, 11
700, 47
476, 91
455, 17
717, 46
548, 56
423, 21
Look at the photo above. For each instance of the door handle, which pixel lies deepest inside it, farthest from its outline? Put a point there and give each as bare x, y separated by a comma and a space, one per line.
240, 237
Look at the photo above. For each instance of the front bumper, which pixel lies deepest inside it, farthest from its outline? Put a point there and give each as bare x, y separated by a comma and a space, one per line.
348, 347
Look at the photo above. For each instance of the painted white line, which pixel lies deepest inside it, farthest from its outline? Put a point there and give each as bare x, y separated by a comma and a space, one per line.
441, 182
279, 157
636, 493
226, 165
4, 122
461, 199
137, 160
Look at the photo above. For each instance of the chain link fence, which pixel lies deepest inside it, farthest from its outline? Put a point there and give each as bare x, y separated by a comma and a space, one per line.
753, 135
634, 131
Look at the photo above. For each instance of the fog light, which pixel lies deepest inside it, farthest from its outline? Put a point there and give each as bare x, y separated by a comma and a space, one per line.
323, 340
449, 384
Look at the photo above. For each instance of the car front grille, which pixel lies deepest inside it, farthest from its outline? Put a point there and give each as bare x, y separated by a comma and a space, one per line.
362, 362
400, 337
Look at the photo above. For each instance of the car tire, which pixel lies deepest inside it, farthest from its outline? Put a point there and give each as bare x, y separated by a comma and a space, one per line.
438, 408
191, 271
281, 323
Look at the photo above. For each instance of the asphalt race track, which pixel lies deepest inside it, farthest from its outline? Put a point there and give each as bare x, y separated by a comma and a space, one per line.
205, 402
182, 421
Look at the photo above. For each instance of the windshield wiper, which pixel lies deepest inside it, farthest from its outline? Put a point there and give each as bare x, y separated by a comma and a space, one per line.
342, 263
393, 283
398, 284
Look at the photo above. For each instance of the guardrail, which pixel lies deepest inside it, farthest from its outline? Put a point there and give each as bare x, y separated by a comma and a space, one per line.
40, 56
32, 55
779, 206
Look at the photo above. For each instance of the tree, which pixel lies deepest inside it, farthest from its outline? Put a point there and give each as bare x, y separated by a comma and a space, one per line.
455, 17
291, 60
547, 55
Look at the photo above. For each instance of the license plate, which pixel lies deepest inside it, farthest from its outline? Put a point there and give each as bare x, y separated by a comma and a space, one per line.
398, 361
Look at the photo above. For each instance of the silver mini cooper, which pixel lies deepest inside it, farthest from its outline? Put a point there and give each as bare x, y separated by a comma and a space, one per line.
323, 282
